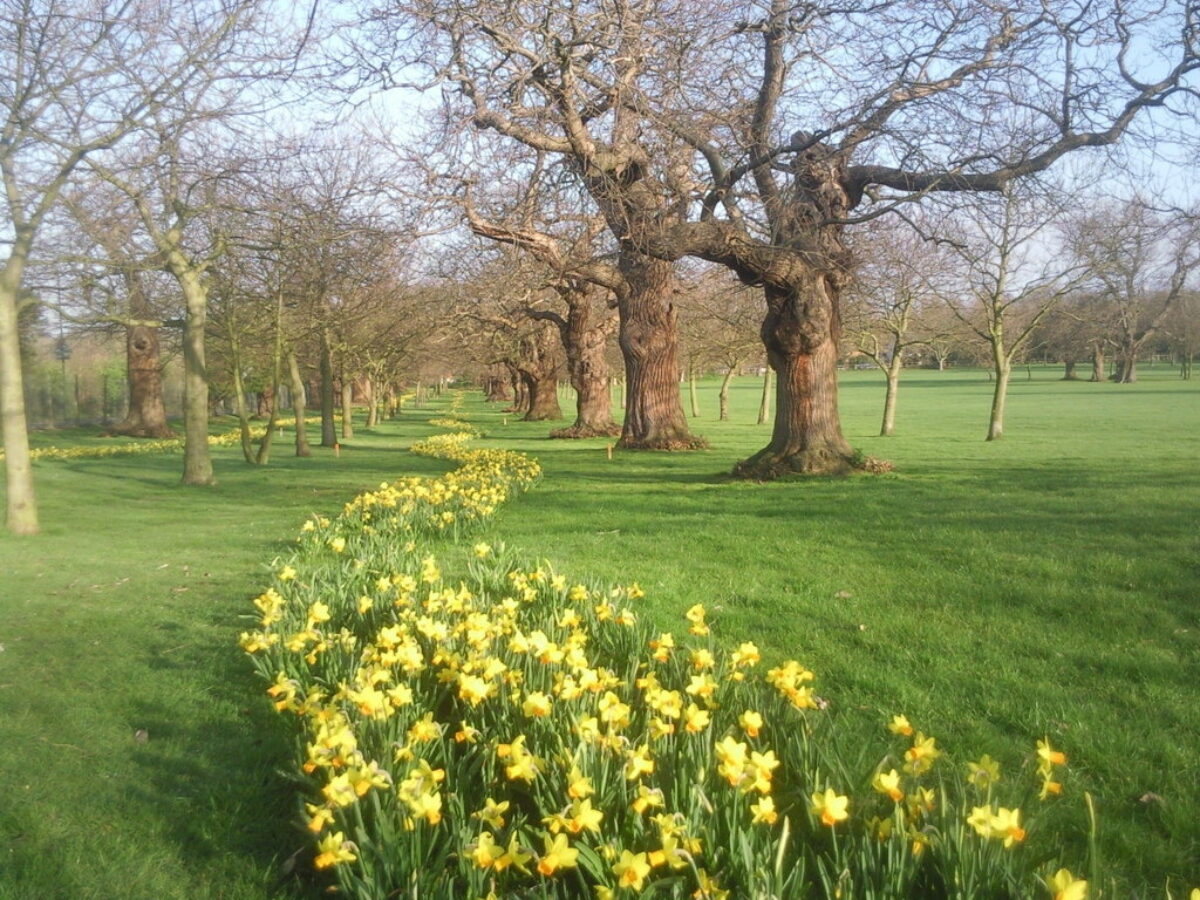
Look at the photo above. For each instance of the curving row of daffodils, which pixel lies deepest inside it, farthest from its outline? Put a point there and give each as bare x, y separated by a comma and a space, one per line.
476, 726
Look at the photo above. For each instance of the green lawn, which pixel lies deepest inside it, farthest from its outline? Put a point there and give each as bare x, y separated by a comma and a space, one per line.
1046, 584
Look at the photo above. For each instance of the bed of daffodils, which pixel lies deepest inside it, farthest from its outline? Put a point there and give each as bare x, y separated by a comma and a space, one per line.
137, 448
474, 725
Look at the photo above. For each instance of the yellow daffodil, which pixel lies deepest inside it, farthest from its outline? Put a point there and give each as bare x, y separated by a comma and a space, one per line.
830, 807
888, 783
984, 773
631, 870
1065, 886
764, 812
751, 723
558, 855
334, 850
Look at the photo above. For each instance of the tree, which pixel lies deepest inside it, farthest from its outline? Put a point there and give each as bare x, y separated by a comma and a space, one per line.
583, 280
835, 113
718, 320
515, 77
78, 78
887, 300
1140, 261
901, 102
1012, 279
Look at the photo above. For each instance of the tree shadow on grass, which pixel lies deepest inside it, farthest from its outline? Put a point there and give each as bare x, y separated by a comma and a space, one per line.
215, 780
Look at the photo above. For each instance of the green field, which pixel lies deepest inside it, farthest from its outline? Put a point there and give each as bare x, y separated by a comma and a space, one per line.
1046, 584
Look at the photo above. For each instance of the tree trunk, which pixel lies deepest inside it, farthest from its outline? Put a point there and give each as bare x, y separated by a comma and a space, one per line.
542, 391
1069, 370
147, 415
372, 409
22, 515
302, 448
889, 398
347, 407
584, 342
1097, 363
197, 462
764, 405
498, 390
692, 395
999, 395
328, 429
723, 396
272, 390
239, 395
1127, 366
265, 406
654, 418
802, 349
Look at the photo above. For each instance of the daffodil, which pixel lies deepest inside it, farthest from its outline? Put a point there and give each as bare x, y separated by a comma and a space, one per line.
1065, 886
751, 723
888, 783
631, 870
492, 812
764, 812
830, 807
334, 850
984, 773
486, 851
558, 855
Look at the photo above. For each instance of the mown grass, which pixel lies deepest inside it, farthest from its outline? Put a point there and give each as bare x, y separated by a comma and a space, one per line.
1045, 584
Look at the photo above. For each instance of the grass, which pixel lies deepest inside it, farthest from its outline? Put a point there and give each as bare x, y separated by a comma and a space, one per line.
997, 592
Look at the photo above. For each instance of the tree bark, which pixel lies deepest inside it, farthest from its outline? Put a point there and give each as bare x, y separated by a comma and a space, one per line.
297, 389
239, 396
1127, 366
764, 405
1069, 370
498, 390
197, 461
347, 407
1097, 363
542, 391
723, 396
372, 409
692, 396
22, 514
999, 394
147, 414
328, 429
583, 342
807, 436
889, 399
654, 418
265, 406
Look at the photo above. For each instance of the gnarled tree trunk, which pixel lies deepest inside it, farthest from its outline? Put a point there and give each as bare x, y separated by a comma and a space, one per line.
800, 332
649, 341
583, 341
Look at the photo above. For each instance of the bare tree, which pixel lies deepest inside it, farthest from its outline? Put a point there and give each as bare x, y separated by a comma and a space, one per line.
719, 320
78, 78
526, 79
887, 300
1141, 261
584, 280
1012, 279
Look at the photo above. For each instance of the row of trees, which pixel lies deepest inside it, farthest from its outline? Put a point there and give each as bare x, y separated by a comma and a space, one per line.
607, 150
